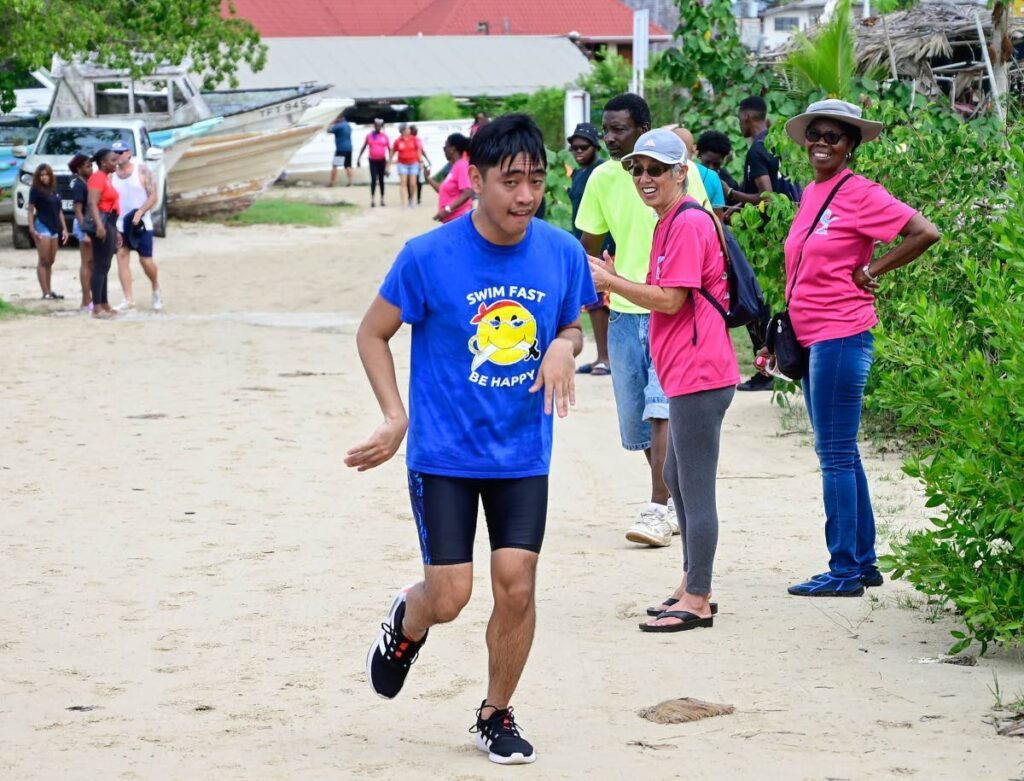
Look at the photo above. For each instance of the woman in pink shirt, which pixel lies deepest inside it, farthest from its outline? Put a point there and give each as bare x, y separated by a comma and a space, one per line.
379, 145
693, 356
831, 280
455, 193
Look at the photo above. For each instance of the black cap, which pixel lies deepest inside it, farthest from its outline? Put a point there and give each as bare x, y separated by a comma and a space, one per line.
587, 132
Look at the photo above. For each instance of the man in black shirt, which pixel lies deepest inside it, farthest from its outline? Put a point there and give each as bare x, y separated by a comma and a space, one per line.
760, 176
585, 144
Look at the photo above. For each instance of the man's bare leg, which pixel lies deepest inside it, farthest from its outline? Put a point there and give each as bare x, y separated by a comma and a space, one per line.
437, 599
513, 619
656, 458
124, 273
599, 322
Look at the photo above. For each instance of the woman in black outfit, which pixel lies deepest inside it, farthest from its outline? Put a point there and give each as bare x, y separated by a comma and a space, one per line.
81, 168
103, 209
46, 224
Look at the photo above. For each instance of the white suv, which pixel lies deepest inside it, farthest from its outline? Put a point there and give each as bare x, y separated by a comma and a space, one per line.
60, 140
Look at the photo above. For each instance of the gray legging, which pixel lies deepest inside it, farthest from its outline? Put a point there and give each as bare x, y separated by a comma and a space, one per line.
691, 468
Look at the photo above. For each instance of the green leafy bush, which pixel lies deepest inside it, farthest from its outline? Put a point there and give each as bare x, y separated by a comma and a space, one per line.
438, 107
547, 107
558, 179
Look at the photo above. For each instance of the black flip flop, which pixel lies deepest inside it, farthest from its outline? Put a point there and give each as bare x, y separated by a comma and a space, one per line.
585, 368
688, 621
654, 612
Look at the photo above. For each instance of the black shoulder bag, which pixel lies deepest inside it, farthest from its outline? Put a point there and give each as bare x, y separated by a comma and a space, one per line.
790, 356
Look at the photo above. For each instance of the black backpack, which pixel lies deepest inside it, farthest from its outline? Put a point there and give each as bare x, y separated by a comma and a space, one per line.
746, 300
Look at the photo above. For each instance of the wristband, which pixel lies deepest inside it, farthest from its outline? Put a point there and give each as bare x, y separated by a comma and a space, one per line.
867, 272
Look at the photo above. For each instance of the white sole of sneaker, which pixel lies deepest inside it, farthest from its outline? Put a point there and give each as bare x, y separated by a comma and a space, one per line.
647, 539
380, 642
515, 759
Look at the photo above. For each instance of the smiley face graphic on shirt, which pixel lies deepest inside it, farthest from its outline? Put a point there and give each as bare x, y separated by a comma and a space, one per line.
506, 333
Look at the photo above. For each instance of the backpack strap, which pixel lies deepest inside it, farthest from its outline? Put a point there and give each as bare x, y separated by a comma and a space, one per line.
721, 242
810, 230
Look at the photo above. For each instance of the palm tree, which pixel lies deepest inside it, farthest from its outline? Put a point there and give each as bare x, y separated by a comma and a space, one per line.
829, 61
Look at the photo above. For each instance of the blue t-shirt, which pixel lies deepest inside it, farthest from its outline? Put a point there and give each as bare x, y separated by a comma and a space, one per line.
482, 316
712, 186
342, 136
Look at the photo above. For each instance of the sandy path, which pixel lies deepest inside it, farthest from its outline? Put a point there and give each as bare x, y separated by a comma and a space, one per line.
184, 554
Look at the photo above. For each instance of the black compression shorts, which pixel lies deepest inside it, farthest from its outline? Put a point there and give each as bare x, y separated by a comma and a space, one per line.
445, 509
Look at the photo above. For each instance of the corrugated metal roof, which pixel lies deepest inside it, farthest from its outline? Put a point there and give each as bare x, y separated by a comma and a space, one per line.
593, 19
406, 67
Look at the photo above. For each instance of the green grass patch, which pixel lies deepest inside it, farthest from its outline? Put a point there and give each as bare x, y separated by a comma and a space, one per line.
277, 211
10, 310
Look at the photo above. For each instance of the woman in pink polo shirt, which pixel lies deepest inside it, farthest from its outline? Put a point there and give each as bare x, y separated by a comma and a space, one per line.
831, 280
455, 193
379, 145
693, 356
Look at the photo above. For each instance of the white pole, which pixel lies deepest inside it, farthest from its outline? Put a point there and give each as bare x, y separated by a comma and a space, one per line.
988, 67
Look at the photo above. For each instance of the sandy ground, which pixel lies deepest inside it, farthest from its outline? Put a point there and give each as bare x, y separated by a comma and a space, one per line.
190, 576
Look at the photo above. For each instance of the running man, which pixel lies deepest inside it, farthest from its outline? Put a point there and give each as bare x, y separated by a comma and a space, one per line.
137, 192
493, 298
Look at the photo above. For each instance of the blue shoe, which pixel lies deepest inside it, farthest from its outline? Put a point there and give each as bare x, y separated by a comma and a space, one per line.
827, 585
869, 578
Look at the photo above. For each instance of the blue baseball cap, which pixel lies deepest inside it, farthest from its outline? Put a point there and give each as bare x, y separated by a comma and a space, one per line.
120, 147
661, 145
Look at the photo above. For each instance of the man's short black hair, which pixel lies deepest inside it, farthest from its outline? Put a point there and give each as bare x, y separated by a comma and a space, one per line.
755, 105
714, 141
637, 107
502, 140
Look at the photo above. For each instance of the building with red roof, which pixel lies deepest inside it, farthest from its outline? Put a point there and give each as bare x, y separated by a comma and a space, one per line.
593, 23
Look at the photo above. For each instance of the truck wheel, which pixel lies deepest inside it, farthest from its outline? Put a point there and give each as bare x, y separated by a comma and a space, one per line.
22, 238
160, 218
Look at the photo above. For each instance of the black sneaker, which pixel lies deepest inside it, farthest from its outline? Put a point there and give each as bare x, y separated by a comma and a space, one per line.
499, 737
757, 383
392, 653
871, 578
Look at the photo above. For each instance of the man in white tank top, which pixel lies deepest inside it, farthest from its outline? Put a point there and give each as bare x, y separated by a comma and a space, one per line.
137, 190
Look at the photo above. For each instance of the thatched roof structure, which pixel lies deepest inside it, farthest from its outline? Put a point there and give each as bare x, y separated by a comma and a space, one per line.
936, 44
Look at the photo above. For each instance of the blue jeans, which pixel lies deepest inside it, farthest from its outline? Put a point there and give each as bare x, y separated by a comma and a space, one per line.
834, 394
638, 394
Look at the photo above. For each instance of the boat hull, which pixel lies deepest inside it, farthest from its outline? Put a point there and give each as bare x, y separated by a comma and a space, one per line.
222, 174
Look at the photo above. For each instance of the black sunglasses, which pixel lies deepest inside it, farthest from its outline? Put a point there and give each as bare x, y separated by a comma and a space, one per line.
580, 147
653, 171
814, 135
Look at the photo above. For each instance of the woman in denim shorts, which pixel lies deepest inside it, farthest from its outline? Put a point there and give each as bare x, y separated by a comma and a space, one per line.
46, 224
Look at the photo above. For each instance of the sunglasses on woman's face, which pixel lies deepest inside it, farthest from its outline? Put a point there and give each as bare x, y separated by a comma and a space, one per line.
579, 147
814, 135
654, 171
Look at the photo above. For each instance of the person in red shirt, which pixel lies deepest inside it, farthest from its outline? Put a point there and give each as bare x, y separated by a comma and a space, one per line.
104, 208
409, 151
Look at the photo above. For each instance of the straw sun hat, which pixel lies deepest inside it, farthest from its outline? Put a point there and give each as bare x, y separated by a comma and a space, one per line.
838, 110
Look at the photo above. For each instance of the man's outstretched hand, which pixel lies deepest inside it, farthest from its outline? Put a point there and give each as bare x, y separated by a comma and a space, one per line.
381, 446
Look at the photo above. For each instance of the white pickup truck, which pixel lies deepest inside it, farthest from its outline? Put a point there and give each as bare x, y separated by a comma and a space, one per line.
60, 140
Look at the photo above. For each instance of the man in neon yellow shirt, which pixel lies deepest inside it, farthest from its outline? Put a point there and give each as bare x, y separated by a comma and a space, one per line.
611, 205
